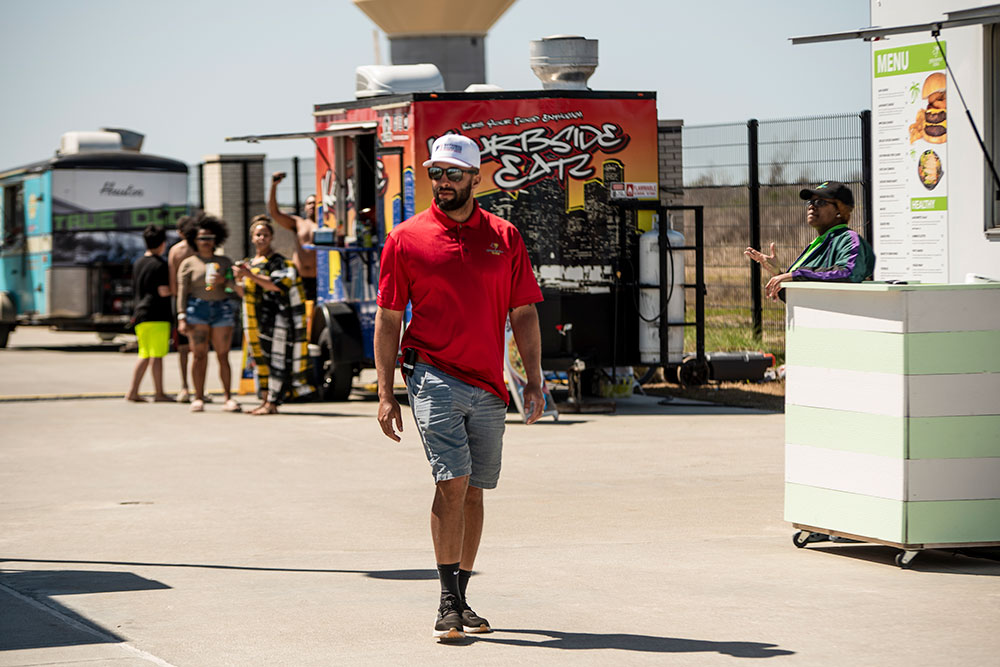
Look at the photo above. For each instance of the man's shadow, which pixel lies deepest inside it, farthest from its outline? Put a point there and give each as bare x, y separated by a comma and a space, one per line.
627, 642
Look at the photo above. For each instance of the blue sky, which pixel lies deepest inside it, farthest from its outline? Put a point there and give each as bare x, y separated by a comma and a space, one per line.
188, 73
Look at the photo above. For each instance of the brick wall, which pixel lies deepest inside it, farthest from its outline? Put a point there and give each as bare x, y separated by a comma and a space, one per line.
223, 186
671, 163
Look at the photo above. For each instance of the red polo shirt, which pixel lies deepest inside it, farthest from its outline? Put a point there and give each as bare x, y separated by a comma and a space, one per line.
462, 279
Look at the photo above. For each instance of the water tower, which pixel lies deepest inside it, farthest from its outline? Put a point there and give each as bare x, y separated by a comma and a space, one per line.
446, 33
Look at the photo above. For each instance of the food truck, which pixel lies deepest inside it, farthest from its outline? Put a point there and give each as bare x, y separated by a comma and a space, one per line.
575, 169
71, 227
892, 413
553, 163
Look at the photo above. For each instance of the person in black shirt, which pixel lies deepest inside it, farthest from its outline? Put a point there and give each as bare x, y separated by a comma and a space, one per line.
151, 316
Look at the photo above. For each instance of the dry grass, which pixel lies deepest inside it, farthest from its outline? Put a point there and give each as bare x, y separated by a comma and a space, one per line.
759, 395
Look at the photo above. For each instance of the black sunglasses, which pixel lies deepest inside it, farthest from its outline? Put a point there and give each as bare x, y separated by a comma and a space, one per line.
454, 174
204, 238
818, 203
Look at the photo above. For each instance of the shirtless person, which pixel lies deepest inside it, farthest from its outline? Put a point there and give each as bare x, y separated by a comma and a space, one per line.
304, 260
178, 253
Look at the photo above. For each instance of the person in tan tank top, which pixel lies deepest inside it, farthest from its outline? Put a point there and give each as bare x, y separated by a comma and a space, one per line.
205, 311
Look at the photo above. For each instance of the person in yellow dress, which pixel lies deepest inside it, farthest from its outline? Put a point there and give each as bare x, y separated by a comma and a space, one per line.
274, 320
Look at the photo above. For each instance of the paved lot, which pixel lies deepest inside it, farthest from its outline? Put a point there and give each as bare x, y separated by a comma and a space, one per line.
143, 534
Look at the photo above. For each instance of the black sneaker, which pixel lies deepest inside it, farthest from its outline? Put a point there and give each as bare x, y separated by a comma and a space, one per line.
473, 622
449, 621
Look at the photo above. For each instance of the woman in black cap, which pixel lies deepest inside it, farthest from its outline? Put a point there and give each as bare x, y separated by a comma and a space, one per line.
837, 253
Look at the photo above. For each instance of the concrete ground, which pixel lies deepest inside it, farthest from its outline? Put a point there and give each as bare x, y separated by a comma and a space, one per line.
144, 534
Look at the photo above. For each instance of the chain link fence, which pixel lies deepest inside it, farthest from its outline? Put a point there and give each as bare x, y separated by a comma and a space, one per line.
748, 176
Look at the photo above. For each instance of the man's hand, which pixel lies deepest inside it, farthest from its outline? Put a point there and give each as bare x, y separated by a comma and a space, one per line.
773, 286
534, 403
387, 325
388, 414
278, 177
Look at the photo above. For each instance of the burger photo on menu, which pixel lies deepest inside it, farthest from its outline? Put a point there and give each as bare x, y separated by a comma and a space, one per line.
932, 123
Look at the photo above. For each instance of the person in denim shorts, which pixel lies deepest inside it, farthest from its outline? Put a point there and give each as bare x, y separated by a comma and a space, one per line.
463, 271
205, 312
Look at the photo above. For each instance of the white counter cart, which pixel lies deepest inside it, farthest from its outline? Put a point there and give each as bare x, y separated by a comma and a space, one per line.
892, 417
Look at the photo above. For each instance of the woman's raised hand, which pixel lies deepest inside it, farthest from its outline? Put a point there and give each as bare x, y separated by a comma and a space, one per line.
767, 261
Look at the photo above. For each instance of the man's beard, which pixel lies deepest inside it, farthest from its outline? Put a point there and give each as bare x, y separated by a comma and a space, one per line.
457, 201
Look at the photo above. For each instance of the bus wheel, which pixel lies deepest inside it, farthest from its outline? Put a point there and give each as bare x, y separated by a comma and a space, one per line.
335, 378
106, 336
4, 334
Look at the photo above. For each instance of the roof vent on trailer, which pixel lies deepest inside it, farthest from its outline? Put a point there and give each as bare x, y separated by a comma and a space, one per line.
564, 62
131, 140
483, 88
377, 80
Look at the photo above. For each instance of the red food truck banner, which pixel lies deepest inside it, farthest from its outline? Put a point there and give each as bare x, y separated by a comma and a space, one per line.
568, 141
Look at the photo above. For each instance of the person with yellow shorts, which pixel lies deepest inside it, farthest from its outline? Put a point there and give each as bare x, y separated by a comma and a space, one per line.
151, 316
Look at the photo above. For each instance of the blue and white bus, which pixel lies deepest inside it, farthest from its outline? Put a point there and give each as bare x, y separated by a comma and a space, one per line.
71, 227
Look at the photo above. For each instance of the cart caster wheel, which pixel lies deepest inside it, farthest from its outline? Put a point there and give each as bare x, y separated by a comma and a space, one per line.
804, 537
904, 559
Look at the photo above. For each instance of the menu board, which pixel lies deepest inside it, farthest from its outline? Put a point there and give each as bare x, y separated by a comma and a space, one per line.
910, 171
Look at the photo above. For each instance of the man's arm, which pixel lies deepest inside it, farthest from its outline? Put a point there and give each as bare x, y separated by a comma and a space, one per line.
527, 335
387, 324
173, 263
183, 284
286, 221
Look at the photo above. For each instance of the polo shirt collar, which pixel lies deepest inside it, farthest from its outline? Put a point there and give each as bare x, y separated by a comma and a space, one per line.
447, 222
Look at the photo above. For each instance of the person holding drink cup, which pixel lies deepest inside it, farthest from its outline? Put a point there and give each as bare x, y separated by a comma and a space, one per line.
205, 313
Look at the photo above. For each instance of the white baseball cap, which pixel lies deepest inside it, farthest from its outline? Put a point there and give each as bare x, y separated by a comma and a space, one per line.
455, 149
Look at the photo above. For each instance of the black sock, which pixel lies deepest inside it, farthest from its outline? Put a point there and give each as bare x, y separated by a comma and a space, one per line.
448, 574
463, 581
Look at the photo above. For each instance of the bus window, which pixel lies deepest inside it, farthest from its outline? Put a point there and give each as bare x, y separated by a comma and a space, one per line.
13, 215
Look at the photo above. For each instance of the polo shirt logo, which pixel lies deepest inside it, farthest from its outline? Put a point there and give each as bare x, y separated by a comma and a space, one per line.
495, 249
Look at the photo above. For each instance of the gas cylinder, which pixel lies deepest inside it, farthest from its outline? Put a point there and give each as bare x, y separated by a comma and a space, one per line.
649, 297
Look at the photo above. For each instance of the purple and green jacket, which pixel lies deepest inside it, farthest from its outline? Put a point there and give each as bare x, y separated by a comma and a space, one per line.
838, 255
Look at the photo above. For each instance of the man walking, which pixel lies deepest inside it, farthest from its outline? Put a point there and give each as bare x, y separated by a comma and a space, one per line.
464, 271
303, 228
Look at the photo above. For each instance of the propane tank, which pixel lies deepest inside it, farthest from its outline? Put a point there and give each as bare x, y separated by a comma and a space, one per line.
649, 297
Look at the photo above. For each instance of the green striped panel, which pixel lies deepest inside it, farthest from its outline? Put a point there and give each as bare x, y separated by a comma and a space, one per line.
953, 521
866, 516
847, 431
954, 437
965, 437
948, 352
952, 352
872, 351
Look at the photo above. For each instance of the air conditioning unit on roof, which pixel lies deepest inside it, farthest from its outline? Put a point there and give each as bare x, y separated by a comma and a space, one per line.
376, 80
